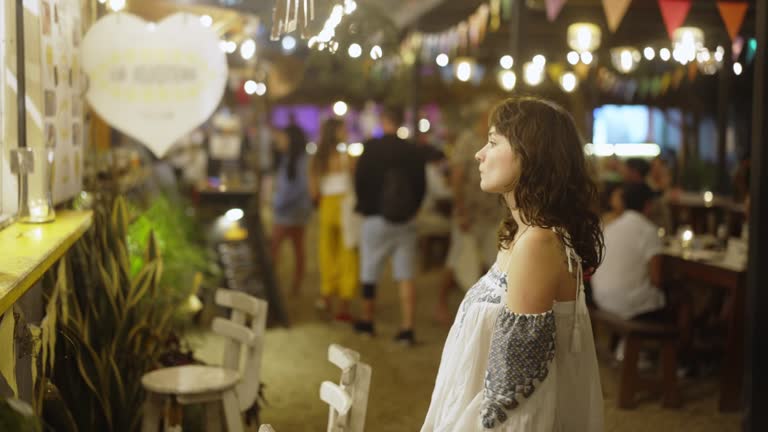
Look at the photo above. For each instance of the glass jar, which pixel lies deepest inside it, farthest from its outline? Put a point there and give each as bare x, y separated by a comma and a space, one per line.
35, 170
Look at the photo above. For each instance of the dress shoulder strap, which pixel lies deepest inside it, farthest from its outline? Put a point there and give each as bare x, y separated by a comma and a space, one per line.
575, 268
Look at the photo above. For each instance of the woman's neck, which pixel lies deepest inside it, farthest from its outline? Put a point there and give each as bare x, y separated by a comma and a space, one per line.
510, 199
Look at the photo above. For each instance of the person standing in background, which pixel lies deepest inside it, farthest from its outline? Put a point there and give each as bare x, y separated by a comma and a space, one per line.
291, 202
390, 183
475, 219
330, 183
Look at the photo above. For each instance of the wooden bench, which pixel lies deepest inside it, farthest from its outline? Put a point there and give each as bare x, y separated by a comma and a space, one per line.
637, 334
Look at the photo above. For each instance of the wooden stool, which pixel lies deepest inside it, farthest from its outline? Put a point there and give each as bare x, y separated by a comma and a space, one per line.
636, 333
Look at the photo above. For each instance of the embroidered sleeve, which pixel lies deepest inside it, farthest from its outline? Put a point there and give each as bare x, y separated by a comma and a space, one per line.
522, 347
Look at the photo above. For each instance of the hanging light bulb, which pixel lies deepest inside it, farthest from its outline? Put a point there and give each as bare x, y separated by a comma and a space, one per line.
376, 52
247, 49
340, 108
568, 82
464, 69
649, 53
573, 57
250, 87
533, 74
442, 59
507, 62
583, 36
586, 57
664, 54
288, 43
507, 79
355, 50
117, 5
625, 59
737, 68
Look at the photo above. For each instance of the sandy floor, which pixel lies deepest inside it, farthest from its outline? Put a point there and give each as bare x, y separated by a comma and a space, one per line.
295, 363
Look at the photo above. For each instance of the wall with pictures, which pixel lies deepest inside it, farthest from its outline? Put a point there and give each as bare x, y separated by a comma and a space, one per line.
53, 86
62, 86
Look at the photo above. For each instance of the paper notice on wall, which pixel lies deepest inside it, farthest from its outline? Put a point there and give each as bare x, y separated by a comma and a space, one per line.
61, 34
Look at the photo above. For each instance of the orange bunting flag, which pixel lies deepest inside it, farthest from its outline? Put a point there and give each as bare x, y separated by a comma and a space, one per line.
733, 16
674, 13
614, 12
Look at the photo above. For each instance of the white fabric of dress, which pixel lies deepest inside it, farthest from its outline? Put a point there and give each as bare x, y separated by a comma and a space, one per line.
563, 394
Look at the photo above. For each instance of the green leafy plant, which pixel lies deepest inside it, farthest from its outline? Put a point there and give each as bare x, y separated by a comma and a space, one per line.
16, 415
112, 324
178, 238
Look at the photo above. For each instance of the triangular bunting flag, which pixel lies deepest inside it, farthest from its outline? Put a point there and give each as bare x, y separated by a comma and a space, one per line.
553, 8
614, 12
674, 13
733, 16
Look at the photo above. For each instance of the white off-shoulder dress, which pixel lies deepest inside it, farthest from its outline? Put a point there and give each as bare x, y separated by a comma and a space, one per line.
503, 371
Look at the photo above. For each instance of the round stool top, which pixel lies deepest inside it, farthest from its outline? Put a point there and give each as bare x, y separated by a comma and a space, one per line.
190, 379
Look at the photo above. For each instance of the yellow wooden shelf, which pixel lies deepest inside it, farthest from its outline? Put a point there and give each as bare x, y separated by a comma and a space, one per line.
28, 250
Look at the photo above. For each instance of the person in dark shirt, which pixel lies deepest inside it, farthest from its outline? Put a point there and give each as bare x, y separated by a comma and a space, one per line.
390, 183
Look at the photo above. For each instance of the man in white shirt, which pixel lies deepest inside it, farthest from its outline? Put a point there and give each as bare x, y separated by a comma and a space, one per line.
627, 282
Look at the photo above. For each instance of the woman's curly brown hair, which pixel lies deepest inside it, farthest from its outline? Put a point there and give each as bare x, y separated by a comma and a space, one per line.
555, 188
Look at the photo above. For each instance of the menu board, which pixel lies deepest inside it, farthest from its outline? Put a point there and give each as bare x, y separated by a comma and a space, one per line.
62, 82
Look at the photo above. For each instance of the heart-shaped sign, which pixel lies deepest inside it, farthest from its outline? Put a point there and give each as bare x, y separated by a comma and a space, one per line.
154, 82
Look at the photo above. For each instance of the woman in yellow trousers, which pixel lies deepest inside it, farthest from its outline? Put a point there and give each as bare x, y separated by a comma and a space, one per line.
331, 185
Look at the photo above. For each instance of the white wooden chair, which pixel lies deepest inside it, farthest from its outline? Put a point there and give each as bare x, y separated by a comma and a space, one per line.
234, 384
348, 400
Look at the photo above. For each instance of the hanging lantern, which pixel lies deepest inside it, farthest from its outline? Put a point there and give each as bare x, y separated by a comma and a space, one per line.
687, 41
583, 37
625, 59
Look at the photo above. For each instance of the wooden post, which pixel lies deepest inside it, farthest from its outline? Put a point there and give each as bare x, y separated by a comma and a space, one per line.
21, 91
723, 96
756, 378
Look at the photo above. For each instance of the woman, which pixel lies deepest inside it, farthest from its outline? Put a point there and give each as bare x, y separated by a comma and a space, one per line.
291, 203
331, 187
520, 355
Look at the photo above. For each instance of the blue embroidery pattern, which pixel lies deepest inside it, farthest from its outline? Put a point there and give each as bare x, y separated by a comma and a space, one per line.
489, 289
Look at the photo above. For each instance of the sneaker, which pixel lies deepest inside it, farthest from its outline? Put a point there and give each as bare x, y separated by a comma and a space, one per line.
364, 327
405, 337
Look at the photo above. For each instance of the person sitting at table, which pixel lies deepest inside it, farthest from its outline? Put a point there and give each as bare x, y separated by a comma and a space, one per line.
611, 202
636, 170
627, 282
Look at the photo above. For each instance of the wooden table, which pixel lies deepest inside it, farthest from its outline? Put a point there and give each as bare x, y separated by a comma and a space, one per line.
732, 277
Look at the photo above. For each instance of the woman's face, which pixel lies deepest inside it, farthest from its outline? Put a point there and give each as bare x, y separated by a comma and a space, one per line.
499, 164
